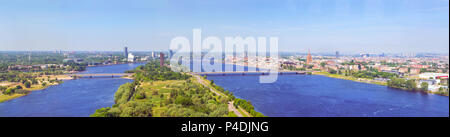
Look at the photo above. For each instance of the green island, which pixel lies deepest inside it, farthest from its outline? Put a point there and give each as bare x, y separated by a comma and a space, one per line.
159, 92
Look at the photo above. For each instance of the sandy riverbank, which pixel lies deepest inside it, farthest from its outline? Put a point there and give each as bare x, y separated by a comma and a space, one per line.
35, 87
4, 97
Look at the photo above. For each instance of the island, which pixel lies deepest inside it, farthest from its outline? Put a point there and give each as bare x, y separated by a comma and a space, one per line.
157, 91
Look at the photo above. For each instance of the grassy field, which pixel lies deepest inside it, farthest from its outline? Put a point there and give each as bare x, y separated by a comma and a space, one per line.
159, 91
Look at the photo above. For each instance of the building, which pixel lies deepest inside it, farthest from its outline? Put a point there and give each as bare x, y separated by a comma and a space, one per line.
161, 59
309, 58
73, 60
69, 61
130, 57
170, 54
337, 54
153, 54
403, 70
414, 71
429, 81
433, 75
364, 55
125, 52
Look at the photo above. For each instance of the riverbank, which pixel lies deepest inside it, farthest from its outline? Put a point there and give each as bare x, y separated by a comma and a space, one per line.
4, 97
369, 81
236, 111
42, 79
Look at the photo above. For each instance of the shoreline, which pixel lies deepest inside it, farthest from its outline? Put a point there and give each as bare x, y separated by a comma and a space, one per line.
369, 82
349, 78
5, 98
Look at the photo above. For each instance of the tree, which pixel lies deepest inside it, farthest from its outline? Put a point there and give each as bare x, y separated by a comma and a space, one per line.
185, 101
19, 87
332, 71
2, 88
323, 64
9, 91
424, 86
411, 85
34, 81
27, 84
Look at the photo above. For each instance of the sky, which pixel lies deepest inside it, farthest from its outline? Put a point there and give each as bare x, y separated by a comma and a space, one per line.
347, 26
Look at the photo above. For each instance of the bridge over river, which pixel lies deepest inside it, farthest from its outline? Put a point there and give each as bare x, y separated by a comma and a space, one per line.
113, 75
250, 73
100, 75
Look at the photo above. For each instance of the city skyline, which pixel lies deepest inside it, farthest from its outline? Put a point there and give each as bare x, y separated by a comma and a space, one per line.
372, 26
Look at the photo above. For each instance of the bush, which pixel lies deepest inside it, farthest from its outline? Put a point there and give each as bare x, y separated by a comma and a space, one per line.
424, 86
2, 88
140, 95
183, 101
27, 84
9, 91
247, 106
19, 87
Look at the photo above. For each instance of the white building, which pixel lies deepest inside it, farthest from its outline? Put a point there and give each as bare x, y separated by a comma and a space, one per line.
432, 75
130, 57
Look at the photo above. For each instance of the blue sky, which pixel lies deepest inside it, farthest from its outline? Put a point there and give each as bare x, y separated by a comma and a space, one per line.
348, 26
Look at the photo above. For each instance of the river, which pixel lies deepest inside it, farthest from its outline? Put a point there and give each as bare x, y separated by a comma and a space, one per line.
73, 98
320, 96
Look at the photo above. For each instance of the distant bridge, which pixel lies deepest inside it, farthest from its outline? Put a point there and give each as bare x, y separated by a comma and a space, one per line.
100, 75
250, 73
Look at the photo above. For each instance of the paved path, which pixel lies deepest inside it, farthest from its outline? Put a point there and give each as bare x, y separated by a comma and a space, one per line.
231, 107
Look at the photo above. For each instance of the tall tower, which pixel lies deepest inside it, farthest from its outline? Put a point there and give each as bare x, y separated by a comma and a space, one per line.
29, 57
309, 58
161, 59
125, 50
337, 54
170, 54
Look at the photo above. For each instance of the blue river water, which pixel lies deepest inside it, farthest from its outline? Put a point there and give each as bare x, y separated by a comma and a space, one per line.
73, 98
320, 96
